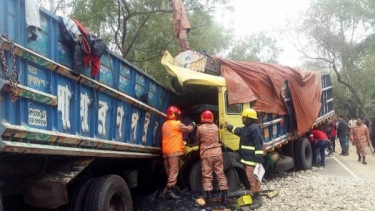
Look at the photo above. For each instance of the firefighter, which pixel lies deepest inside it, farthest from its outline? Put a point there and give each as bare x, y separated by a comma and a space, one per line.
211, 156
250, 150
181, 25
360, 137
172, 147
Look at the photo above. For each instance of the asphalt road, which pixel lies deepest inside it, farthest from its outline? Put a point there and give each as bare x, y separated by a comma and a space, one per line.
348, 166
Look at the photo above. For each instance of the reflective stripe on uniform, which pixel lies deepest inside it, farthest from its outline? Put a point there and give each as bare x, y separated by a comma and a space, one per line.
233, 129
259, 152
247, 147
248, 162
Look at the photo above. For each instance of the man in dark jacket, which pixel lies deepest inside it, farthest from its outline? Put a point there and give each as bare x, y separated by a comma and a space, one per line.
250, 150
342, 134
372, 131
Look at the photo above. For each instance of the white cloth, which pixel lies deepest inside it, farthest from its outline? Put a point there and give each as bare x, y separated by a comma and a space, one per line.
72, 28
32, 13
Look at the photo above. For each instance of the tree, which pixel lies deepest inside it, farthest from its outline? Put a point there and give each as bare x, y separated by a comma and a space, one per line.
341, 35
257, 47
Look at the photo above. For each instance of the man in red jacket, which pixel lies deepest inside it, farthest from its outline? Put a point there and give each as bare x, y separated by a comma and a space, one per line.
321, 142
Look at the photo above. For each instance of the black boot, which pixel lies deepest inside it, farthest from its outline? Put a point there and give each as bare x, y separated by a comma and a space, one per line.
171, 194
209, 197
224, 197
359, 158
257, 201
364, 160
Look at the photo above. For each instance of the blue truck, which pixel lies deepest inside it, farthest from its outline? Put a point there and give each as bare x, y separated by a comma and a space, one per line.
77, 142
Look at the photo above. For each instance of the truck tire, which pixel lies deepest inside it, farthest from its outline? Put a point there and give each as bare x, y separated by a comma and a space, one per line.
108, 192
302, 154
77, 196
229, 161
285, 163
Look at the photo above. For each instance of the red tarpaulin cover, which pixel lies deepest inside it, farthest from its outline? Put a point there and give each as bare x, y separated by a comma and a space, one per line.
249, 81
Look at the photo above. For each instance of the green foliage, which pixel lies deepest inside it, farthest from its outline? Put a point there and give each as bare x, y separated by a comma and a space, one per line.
341, 37
257, 47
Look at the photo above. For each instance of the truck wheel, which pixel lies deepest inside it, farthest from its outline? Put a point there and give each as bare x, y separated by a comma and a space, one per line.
229, 160
109, 193
77, 196
285, 163
302, 154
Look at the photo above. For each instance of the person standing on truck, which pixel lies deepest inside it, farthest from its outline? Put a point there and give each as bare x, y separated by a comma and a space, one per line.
211, 156
360, 137
172, 147
321, 142
181, 25
250, 150
342, 134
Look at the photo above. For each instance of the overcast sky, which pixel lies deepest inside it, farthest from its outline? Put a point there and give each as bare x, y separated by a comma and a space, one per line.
253, 16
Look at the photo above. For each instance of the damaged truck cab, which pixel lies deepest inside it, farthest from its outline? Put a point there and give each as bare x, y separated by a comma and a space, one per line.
285, 147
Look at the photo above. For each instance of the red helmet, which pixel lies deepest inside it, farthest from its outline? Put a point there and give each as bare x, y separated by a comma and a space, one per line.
173, 112
207, 116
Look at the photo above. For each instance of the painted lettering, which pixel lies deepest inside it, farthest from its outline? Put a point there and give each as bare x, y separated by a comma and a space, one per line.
135, 119
145, 127
35, 81
119, 120
84, 111
32, 69
155, 131
63, 106
37, 117
102, 117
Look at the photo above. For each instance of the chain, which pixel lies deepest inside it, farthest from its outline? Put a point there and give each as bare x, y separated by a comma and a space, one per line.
14, 76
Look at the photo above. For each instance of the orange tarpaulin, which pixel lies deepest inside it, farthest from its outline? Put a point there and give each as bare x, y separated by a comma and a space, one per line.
249, 81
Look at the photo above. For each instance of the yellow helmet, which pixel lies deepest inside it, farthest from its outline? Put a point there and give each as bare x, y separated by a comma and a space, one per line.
249, 113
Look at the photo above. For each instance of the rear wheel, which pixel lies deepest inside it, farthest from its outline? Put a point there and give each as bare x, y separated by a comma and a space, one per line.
110, 193
302, 154
77, 196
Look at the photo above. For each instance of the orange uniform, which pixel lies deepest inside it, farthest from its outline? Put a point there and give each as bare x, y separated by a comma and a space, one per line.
172, 147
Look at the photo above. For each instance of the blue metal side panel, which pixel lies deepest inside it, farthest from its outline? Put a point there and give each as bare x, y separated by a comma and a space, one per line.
81, 110
125, 78
327, 95
107, 74
163, 98
42, 44
140, 87
152, 94
156, 141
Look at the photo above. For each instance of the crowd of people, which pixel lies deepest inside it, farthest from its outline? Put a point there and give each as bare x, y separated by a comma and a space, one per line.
355, 131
